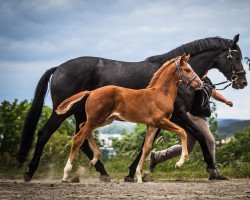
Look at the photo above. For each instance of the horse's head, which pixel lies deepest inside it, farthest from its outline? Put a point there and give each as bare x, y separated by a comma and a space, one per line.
229, 63
186, 73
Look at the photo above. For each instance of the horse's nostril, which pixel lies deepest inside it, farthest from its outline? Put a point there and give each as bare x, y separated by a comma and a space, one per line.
244, 83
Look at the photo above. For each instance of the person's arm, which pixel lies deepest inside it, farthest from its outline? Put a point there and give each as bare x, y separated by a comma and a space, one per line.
219, 97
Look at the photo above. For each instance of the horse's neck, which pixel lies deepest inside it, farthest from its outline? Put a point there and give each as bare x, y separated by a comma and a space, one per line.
203, 62
167, 82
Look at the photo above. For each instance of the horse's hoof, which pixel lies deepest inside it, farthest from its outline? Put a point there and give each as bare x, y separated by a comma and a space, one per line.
129, 179
64, 181
74, 179
27, 177
104, 178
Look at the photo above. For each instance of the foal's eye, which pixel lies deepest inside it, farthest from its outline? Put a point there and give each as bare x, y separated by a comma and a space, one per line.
187, 70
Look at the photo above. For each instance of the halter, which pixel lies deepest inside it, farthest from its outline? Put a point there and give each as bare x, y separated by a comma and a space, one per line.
181, 75
235, 73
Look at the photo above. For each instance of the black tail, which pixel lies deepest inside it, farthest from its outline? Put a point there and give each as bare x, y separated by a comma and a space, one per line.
33, 116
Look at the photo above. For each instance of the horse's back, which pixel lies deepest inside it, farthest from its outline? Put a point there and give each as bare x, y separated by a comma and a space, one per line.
89, 73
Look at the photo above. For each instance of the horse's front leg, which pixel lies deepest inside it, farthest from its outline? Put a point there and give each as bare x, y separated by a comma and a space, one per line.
170, 126
148, 142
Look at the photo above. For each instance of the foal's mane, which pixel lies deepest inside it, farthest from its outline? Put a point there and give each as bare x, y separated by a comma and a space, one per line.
159, 72
194, 48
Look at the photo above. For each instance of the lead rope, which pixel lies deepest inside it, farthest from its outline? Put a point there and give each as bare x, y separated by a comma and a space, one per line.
223, 83
205, 99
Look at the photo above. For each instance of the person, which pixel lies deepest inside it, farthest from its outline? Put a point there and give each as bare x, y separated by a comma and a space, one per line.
198, 114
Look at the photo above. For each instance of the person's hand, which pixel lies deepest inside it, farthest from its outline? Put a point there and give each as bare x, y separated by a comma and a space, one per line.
229, 103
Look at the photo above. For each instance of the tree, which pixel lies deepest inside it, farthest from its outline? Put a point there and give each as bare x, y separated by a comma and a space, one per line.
130, 143
236, 150
12, 117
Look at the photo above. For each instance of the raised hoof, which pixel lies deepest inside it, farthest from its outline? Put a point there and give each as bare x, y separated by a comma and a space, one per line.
129, 179
27, 177
104, 178
74, 179
64, 181
177, 166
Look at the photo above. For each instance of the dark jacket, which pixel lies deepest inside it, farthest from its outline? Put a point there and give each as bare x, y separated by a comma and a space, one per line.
201, 103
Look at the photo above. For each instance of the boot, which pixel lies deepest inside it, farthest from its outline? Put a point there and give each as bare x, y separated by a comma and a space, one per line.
152, 162
214, 174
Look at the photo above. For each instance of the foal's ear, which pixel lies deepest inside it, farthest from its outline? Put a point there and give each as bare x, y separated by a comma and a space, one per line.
183, 58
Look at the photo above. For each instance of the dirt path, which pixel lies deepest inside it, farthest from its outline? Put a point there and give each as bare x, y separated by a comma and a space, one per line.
118, 189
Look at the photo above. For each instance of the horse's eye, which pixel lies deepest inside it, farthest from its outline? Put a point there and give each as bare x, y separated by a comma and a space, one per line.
187, 70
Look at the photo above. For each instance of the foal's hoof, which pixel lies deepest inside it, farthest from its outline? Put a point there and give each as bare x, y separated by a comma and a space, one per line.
147, 177
177, 166
104, 178
129, 179
27, 177
74, 179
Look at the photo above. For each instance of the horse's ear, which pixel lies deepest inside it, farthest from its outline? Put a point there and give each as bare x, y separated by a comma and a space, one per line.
183, 57
187, 58
235, 40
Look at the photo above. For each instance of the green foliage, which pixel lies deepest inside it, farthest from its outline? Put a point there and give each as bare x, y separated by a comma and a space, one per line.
12, 117
130, 143
213, 124
237, 150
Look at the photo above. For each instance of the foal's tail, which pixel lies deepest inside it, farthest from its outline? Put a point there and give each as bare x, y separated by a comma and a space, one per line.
69, 102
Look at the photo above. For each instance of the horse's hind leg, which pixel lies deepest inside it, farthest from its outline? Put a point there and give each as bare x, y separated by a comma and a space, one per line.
170, 126
148, 142
43, 136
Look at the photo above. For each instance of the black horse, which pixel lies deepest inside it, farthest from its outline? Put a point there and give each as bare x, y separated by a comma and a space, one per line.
89, 73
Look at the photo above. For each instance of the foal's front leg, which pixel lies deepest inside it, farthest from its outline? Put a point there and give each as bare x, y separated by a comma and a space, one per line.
170, 126
149, 138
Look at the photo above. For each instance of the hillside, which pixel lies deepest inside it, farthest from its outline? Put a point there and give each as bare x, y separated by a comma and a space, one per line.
228, 127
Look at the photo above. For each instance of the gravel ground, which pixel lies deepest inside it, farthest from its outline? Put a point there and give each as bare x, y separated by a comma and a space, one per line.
118, 189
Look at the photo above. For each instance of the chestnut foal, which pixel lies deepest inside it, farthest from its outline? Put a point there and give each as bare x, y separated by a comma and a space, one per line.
152, 106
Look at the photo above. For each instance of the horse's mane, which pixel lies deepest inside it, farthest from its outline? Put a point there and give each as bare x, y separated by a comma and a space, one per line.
194, 48
159, 72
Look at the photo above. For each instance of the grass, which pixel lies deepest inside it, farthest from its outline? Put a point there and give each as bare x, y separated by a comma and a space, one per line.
118, 166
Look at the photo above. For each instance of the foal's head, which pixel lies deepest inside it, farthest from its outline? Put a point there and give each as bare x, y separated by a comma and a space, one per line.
186, 73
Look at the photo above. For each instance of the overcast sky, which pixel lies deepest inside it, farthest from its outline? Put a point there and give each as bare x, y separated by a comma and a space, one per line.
37, 35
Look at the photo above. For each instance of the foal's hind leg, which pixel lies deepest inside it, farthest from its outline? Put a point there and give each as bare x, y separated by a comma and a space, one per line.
170, 126
96, 150
76, 143
148, 142
80, 118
